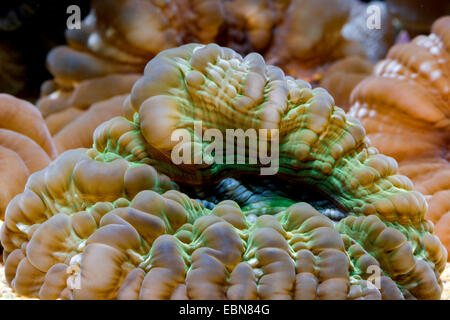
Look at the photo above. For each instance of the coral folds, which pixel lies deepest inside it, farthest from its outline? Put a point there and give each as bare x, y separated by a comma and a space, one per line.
343, 76
109, 223
404, 107
25, 146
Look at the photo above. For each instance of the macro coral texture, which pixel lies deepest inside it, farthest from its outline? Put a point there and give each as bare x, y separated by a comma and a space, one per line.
25, 146
343, 76
107, 54
112, 216
405, 108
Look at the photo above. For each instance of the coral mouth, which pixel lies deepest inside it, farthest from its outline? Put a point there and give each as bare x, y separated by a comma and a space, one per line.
269, 195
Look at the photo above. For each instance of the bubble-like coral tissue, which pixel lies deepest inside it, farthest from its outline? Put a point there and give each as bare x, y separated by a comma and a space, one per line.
213, 149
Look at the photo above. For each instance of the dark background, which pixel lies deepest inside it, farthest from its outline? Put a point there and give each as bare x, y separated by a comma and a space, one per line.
28, 30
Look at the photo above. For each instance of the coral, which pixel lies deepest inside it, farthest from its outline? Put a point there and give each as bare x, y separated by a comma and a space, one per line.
85, 93
111, 240
80, 130
81, 108
299, 50
336, 29
105, 56
119, 37
218, 87
57, 121
404, 107
84, 77
25, 146
343, 76
106, 222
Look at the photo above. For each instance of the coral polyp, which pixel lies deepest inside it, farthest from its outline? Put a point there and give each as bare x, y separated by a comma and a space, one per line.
115, 221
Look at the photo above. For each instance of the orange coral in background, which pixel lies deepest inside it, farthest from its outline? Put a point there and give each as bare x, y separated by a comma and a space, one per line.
79, 131
405, 108
25, 146
335, 29
63, 107
343, 76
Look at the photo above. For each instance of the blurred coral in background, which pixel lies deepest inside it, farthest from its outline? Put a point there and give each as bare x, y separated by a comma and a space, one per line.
405, 108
